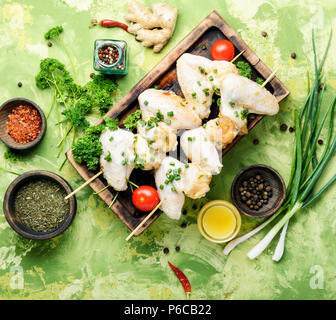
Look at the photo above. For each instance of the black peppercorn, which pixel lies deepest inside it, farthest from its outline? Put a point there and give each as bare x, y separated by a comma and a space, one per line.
255, 141
165, 250
259, 192
183, 225
177, 249
283, 127
50, 44
320, 141
92, 75
293, 55
20, 84
264, 34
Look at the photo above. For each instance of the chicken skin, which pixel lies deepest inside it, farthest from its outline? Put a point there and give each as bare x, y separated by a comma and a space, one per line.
117, 160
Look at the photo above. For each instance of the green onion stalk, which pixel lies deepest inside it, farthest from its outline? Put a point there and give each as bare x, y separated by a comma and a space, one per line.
306, 168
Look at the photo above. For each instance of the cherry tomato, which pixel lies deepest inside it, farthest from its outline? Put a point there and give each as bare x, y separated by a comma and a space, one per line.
145, 198
222, 50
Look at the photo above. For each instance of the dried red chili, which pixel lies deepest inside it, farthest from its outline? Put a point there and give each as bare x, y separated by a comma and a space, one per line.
107, 23
183, 279
23, 124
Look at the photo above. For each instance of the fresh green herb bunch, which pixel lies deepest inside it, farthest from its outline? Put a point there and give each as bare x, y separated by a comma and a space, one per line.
111, 124
78, 101
101, 88
88, 148
53, 33
74, 98
244, 69
132, 119
259, 80
11, 156
52, 73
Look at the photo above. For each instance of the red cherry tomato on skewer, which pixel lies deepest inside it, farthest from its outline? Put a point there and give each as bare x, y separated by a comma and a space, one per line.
145, 198
222, 50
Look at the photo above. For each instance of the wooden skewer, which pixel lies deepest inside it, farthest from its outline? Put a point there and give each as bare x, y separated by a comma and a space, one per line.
83, 185
270, 77
143, 222
237, 56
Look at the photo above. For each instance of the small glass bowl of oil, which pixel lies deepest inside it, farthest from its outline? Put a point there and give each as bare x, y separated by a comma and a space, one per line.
219, 221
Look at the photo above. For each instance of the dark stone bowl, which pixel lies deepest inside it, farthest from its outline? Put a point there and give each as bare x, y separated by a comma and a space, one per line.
13, 219
5, 110
276, 182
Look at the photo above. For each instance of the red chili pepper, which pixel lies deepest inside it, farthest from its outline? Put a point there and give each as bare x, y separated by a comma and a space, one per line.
183, 279
107, 23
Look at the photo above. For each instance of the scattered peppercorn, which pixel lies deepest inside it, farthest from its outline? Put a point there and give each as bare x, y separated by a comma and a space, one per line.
165, 250
92, 74
293, 55
184, 212
255, 192
320, 141
321, 86
177, 249
264, 34
283, 127
183, 225
50, 44
19, 84
291, 129
255, 141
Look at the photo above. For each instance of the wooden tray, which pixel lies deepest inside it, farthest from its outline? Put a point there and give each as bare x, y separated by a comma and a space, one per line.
164, 76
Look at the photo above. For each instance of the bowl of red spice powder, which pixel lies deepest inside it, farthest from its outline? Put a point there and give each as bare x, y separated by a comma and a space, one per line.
22, 124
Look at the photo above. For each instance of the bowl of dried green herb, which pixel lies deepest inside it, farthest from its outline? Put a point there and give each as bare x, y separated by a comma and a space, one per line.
34, 205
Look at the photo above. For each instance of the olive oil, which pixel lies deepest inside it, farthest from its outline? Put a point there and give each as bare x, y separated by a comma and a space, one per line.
219, 222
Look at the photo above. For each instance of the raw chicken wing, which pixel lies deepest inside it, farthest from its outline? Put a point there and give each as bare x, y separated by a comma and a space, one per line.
117, 158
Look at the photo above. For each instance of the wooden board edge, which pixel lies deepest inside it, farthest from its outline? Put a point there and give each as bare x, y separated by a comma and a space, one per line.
214, 19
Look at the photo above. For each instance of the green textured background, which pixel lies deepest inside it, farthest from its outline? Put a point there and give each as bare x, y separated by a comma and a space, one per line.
91, 260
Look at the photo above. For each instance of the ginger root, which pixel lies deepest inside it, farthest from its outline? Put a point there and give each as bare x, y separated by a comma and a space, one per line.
153, 29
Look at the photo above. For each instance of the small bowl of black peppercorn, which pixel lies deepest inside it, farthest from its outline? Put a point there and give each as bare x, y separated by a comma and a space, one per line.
258, 191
